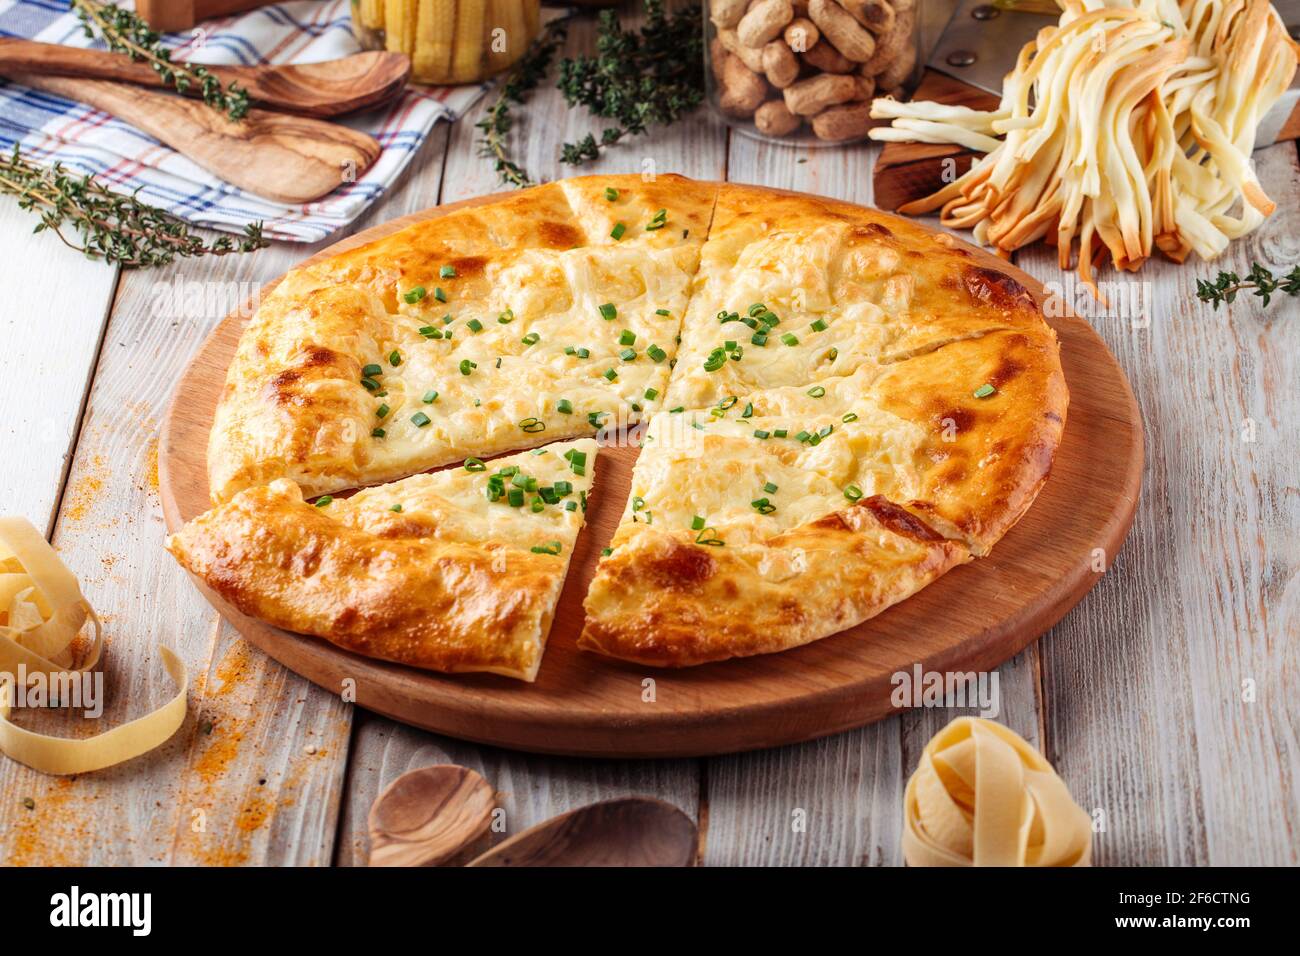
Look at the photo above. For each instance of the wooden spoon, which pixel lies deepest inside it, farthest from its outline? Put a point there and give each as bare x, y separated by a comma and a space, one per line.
329, 88
633, 831
427, 816
292, 159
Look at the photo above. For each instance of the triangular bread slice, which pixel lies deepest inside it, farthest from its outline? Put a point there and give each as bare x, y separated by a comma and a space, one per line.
459, 570
742, 538
543, 316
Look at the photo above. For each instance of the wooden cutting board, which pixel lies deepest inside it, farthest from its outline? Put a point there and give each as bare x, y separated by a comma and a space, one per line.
974, 618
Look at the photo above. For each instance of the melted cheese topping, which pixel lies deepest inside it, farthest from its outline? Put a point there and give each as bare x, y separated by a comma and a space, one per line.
694, 465
455, 505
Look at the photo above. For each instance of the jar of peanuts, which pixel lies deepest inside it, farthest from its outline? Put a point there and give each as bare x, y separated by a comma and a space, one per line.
805, 71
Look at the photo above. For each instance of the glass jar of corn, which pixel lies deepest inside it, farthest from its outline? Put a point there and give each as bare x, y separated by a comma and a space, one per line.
449, 41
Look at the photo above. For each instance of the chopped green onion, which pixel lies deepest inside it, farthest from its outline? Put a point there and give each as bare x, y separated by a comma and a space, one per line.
377, 433
984, 391
609, 311
466, 366
370, 384
439, 295
611, 194
564, 406
394, 358
659, 221
790, 339
475, 326
397, 508
662, 312
817, 391
611, 375
617, 232
762, 506
533, 425
819, 325
780, 432
323, 500
627, 337
651, 394
850, 417
475, 464
420, 419
656, 353
382, 411
853, 492
627, 355
506, 317
429, 332
769, 488
515, 497
760, 433
430, 397
413, 296
532, 338
447, 272
553, 547
748, 410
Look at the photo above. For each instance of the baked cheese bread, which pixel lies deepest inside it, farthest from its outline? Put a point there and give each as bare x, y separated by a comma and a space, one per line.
841, 406
487, 330
459, 570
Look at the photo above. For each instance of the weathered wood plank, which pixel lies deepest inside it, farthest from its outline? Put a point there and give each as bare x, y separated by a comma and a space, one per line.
56, 307
256, 773
1144, 681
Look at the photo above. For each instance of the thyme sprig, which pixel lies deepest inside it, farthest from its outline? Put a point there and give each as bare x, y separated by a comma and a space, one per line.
522, 80
639, 79
119, 229
1259, 281
125, 32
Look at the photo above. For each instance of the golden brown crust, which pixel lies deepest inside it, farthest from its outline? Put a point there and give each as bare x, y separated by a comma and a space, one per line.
449, 581
295, 406
662, 599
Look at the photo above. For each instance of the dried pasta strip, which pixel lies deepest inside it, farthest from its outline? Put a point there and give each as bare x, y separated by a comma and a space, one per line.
982, 796
42, 614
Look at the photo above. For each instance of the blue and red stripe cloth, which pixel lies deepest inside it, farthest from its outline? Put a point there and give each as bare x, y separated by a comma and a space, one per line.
52, 129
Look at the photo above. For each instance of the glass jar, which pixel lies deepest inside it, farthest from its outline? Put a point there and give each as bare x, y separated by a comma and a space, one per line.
805, 71
449, 41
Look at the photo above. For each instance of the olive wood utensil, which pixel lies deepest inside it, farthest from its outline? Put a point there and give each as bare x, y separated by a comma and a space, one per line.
325, 89
428, 816
292, 159
632, 831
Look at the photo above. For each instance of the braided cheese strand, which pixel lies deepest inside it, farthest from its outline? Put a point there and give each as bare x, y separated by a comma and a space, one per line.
42, 612
982, 796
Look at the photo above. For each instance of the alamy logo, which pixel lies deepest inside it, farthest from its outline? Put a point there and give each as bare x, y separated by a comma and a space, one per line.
919, 688
133, 910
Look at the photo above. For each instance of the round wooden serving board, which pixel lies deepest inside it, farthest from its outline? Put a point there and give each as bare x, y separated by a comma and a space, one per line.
972, 619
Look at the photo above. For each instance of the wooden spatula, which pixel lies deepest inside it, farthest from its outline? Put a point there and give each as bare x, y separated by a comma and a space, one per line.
290, 159
325, 89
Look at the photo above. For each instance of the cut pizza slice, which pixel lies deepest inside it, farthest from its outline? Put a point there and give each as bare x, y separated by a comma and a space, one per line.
459, 570
749, 536
543, 316
794, 289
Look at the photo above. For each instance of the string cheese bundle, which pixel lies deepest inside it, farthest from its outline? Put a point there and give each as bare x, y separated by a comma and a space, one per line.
982, 796
42, 614
1127, 127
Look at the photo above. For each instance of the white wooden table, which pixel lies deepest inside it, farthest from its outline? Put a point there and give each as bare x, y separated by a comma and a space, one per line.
1166, 699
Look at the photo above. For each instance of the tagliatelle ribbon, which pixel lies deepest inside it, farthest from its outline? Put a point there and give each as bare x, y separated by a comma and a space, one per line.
42, 613
982, 796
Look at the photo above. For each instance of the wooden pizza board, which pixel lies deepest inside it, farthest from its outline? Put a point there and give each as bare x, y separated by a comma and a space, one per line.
973, 619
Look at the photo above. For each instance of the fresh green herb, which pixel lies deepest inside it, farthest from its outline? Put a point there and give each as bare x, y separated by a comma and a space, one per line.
323, 501
609, 311
475, 464
763, 506
850, 417
397, 508
419, 419
656, 354
506, 317
121, 230
533, 425
611, 194
611, 375
790, 339
447, 272
382, 411
564, 406
377, 433
1259, 281
984, 391
439, 294
853, 492
658, 222
466, 366
394, 358
430, 397
651, 394
617, 232
627, 355
761, 433
627, 337
638, 78
817, 392
522, 80
475, 326
127, 32
552, 547
819, 325
663, 312
412, 296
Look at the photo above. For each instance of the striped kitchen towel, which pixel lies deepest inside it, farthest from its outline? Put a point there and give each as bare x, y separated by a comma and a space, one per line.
49, 128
